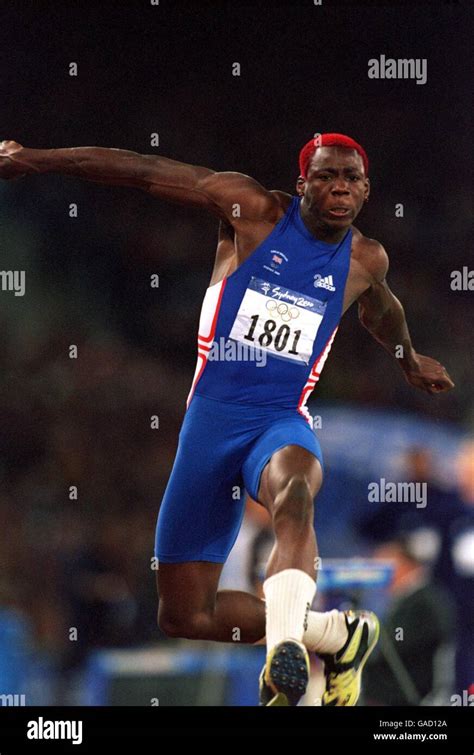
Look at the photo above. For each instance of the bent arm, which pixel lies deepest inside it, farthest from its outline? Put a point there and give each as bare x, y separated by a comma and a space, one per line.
382, 314
228, 195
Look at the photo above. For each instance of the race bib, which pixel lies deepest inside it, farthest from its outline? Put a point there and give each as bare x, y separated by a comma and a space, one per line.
281, 322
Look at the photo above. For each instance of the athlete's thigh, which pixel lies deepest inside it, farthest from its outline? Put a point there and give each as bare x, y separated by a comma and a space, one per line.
283, 465
202, 509
189, 587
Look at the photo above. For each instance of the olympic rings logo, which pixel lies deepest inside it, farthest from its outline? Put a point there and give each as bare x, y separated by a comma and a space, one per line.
282, 309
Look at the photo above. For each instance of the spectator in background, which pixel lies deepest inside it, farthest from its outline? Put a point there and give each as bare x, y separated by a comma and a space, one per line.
458, 541
445, 532
100, 604
416, 632
450, 516
239, 572
260, 549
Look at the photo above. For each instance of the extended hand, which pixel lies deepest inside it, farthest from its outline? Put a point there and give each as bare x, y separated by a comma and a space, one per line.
10, 164
428, 375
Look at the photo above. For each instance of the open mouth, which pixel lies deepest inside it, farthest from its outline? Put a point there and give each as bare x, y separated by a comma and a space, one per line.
339, 212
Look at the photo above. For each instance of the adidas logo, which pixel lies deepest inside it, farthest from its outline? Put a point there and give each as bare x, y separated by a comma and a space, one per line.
326, 282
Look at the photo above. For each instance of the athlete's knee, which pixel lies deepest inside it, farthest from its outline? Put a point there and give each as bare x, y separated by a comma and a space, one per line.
188, 626
294, 502
171, 626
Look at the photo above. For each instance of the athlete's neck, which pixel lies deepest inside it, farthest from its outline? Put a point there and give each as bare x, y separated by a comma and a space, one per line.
319, 229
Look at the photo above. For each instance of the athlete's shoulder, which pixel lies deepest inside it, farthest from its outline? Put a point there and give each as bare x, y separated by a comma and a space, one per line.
284, 199
370, 253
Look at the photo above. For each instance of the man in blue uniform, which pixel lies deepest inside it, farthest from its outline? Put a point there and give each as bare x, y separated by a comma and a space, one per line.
286, 269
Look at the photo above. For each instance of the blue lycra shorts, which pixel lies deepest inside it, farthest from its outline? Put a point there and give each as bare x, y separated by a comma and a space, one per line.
222, 449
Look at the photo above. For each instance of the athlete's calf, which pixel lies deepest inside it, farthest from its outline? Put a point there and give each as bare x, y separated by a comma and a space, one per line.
288, 487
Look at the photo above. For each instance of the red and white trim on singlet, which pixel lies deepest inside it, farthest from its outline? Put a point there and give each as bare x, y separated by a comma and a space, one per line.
207, 328
313, 379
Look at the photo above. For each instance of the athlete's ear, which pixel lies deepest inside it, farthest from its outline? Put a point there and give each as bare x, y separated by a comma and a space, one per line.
300, 186
367, 190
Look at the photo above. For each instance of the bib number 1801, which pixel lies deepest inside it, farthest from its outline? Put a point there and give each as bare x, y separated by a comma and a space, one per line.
268, 335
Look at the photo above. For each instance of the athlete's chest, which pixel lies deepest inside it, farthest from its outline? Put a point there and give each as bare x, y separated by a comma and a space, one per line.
287, 260
283, 296
278, 269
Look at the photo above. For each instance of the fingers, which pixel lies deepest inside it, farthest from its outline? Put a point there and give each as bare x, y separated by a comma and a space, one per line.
439, 386
8, 143
439, 379
433, 381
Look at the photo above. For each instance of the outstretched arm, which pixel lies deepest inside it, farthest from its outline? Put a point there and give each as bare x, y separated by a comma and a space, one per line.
229, 195
382, 314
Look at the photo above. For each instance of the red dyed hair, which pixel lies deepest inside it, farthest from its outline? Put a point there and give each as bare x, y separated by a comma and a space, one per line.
329, 140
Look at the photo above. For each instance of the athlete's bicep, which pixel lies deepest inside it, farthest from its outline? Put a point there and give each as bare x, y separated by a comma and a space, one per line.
229, 195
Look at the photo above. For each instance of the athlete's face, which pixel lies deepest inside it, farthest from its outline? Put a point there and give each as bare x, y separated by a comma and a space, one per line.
336, 186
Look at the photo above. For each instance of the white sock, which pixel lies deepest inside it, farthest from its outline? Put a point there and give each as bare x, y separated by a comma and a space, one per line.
326, 632
288, 598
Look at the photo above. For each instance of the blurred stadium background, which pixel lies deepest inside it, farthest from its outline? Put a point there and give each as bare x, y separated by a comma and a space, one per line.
85, 422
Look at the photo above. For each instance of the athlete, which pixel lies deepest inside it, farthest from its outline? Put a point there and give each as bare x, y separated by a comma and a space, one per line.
286, 269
